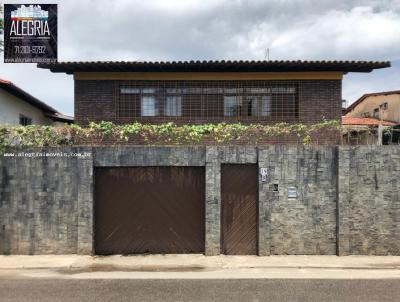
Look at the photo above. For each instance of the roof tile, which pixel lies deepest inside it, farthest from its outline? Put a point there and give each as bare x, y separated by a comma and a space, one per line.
364, 121
215, 66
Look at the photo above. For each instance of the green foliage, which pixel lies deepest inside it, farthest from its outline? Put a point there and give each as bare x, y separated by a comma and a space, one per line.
130, 129
33, 136
104, 128
168, 133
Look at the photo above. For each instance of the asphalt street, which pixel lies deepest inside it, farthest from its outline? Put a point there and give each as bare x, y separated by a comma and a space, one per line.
99, 290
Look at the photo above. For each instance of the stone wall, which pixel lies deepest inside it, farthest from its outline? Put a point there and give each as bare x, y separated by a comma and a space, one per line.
46, 202
346, 201
305, 224
372, 206
124, 156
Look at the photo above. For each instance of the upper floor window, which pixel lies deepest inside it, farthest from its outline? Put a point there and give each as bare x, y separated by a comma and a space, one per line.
173, 106
148, 106
258, 105
264, 105
135, 90
230, 106
211, 100
130, 90
24, 120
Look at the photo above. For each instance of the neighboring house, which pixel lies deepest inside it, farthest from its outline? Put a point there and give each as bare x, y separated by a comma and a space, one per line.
209, 91
380, 105
17, 107
368, 131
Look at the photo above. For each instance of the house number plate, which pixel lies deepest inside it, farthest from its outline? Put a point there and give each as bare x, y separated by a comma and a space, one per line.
264, 174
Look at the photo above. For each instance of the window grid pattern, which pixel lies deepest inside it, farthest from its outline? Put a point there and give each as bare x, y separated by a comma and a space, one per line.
208, 101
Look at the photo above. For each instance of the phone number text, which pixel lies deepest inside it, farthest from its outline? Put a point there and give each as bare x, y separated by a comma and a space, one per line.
29, 49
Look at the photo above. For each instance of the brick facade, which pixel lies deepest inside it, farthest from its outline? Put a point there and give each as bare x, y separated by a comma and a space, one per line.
97, 100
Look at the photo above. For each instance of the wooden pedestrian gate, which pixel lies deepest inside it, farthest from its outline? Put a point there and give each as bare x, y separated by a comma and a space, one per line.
239, 217
149, 210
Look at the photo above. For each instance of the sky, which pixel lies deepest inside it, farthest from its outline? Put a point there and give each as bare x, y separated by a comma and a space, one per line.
92, 30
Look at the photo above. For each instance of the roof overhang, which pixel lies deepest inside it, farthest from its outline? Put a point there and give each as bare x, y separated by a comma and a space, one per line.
216, 66
208, 76
59, 117
23, 95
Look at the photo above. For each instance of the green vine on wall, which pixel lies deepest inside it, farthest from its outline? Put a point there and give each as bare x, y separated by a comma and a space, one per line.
167, 133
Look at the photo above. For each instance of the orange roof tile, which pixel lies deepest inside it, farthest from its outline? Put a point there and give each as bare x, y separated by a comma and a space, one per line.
347, 120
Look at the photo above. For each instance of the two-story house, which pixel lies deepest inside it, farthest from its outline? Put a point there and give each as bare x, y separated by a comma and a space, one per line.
209, 91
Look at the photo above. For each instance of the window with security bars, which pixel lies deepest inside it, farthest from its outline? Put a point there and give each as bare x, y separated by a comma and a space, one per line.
148, 106
231, 106
208, 101
173, 106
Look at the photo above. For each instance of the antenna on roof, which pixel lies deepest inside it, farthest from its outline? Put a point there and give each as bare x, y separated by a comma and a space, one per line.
267, 54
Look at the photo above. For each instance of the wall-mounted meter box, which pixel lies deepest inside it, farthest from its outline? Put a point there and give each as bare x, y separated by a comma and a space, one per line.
292, 192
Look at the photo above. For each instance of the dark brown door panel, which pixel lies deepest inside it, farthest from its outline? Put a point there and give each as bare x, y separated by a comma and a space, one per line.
149, 210
239, 217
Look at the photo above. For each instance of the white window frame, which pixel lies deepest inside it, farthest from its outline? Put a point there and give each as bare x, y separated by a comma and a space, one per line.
150, 109
264, 105
173, 105
230, 102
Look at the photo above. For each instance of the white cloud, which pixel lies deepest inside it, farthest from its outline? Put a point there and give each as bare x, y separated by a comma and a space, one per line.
225, 29
356, 34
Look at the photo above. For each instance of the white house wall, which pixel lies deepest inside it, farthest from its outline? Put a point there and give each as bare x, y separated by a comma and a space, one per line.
11, 107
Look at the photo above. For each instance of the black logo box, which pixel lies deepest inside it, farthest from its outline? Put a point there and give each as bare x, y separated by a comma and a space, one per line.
23, 48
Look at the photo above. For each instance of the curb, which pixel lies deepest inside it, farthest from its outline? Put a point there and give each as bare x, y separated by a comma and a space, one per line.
194, 268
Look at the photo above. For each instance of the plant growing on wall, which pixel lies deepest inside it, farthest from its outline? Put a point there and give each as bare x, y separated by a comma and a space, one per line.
168, 133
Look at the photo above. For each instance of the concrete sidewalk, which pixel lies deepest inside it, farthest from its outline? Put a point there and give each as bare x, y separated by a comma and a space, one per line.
181, 263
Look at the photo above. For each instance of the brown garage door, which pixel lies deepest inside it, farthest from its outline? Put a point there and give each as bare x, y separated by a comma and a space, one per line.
239, 194
149, 210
